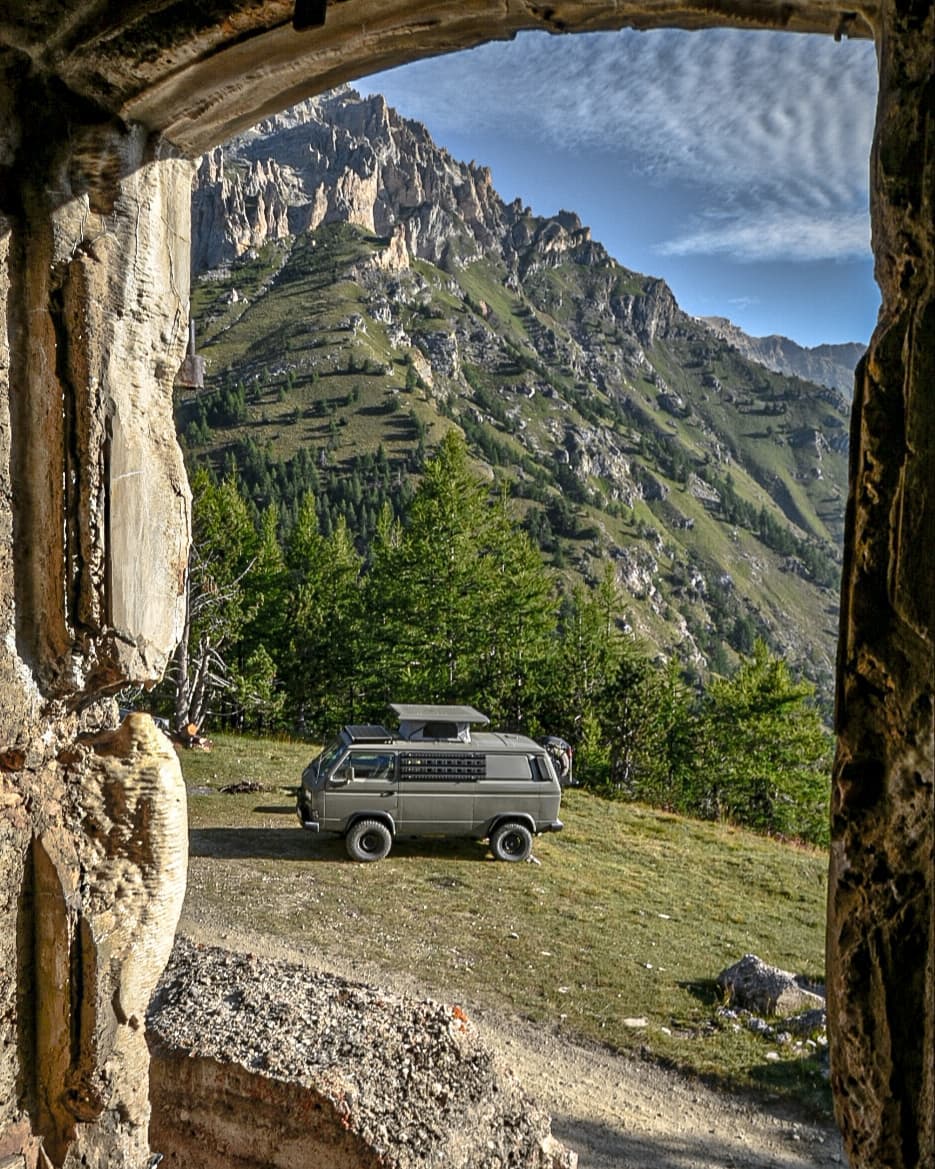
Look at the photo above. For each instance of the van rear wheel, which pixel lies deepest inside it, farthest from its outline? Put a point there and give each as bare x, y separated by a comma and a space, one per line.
368, 840
511, 842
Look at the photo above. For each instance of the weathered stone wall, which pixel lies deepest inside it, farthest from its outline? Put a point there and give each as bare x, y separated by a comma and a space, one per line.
881, 920
94, 848
98, 314
93, 547
108, 880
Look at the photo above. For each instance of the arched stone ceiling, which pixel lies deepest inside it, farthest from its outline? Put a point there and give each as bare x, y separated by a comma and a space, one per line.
197, 71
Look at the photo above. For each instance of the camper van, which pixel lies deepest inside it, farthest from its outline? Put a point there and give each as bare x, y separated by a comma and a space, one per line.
436, 775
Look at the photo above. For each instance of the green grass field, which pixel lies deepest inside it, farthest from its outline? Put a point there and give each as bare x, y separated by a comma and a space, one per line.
629, 915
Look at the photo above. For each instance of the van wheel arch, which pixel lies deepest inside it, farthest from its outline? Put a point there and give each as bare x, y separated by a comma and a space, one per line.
511, 839
511, 818
368, 839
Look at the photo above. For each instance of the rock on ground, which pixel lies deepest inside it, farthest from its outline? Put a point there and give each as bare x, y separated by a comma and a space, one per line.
257, 1062
753, 985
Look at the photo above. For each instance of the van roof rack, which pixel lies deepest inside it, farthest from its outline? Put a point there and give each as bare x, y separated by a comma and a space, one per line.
417, 712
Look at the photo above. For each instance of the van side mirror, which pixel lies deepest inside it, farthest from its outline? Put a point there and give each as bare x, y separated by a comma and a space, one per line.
339, 779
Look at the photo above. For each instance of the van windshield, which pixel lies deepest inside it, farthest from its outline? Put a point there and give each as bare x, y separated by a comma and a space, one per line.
328, 757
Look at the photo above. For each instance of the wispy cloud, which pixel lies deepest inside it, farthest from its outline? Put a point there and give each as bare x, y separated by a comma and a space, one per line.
771, 130
775, 233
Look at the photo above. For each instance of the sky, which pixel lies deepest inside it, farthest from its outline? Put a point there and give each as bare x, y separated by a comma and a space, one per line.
732, 163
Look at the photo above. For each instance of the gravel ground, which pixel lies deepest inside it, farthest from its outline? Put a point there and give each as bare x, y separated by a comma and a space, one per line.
617, 1112
411, 1079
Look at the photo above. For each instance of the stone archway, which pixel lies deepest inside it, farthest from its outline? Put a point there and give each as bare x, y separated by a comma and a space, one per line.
101, 104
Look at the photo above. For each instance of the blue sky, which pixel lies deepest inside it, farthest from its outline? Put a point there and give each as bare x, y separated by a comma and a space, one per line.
734, 164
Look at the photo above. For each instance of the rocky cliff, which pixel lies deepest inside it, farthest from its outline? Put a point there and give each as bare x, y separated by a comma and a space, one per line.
338, 158
341, 158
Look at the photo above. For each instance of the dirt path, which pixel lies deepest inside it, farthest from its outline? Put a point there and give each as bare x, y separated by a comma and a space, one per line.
616, 1112
619, 1113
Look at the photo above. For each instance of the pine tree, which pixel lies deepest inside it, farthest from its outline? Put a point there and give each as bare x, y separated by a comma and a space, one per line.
765, 752
263, 640
458, 608
223, 549
324, 615
591, 643
515, 671
649, 722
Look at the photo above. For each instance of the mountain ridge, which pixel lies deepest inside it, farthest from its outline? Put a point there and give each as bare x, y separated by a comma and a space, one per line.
277, 206
359, 291
828, 364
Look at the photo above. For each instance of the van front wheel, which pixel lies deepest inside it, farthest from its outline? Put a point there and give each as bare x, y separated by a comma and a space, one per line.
511, 842
368, 840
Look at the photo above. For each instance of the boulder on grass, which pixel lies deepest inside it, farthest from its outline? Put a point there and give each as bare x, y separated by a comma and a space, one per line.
752, 985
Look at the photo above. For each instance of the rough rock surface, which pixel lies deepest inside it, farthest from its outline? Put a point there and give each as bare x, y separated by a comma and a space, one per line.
201, 76
881, 915
260, 1063
114, 891
753, 985
97, 501
94, 846
93, 548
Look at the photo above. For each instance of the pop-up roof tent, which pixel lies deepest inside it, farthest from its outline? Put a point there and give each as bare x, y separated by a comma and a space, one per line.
418, 722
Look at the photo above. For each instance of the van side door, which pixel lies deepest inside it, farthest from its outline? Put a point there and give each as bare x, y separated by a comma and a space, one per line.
364, 782
436, 791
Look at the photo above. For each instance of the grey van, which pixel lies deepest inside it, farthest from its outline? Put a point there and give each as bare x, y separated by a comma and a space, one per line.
434, 776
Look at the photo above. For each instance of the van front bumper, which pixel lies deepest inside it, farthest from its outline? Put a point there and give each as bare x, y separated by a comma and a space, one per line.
308, 820
551, 826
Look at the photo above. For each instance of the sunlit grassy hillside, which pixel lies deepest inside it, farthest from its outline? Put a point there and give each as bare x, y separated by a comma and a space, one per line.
615, 936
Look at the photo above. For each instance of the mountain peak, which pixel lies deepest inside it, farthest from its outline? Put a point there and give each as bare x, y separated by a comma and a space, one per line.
341, 157
368, 293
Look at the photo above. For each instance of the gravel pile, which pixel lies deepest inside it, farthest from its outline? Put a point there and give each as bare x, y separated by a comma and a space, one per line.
411, 1079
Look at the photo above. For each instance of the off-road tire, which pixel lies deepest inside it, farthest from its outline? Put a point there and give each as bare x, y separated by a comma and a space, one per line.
511, 841
368, 840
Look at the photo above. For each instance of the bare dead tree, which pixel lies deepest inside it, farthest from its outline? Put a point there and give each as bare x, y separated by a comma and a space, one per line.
199, 671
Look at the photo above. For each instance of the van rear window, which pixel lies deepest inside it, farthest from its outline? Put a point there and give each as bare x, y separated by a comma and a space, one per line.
542, 768
508, 767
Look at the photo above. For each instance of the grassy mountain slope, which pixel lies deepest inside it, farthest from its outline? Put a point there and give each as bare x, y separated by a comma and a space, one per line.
828, 365
625, 430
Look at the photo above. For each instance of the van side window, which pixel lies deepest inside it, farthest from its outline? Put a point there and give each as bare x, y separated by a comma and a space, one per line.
508, 767
439, 730
373, 764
